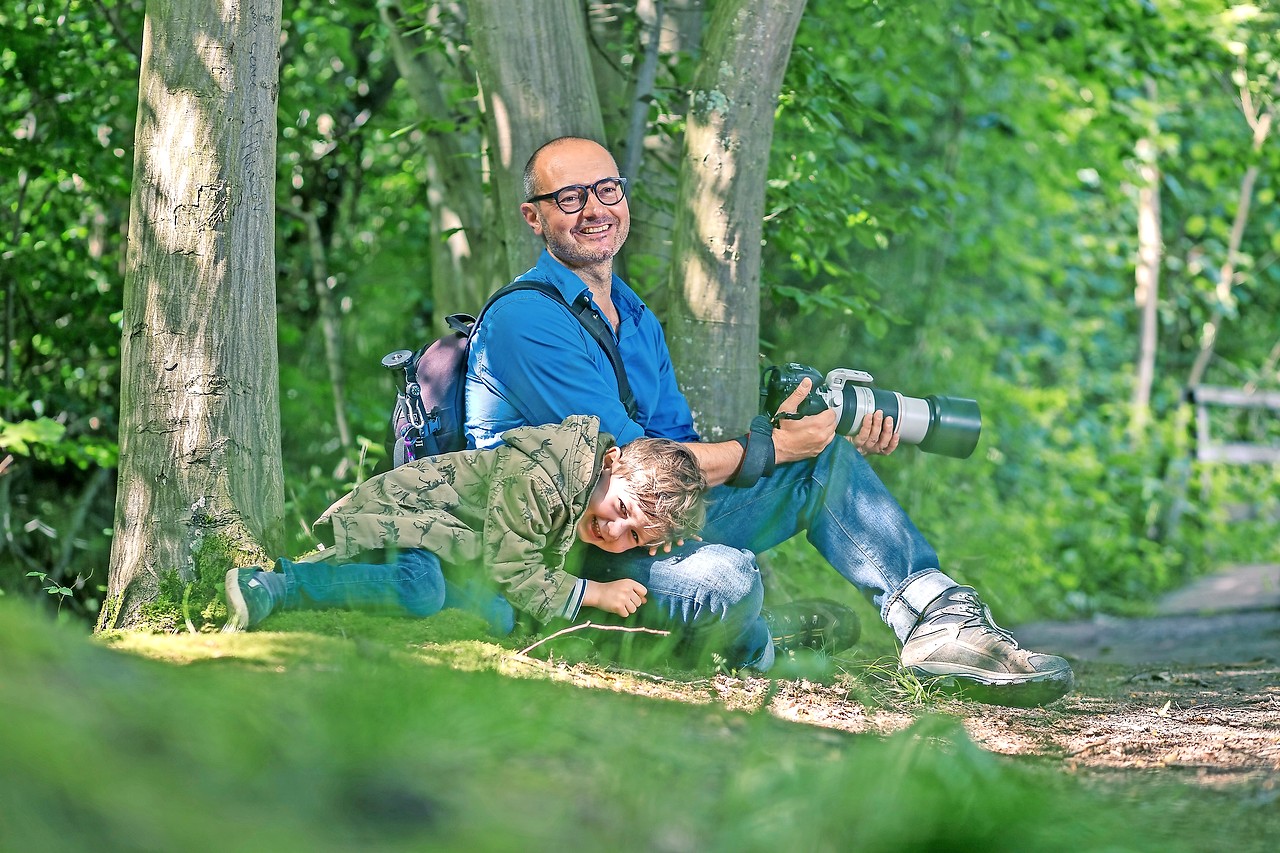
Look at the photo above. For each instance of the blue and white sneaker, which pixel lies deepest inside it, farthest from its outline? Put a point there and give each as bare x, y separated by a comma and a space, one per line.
249, 599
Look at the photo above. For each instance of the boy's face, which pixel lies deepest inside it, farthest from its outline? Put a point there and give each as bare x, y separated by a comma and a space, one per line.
614, 521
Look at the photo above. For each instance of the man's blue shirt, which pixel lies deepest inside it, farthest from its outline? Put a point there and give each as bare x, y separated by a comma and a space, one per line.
531, 363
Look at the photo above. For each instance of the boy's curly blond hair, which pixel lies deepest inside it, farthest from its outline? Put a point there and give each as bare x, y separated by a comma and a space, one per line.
667, 484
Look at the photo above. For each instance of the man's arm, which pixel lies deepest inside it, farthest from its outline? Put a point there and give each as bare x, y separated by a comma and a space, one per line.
793, 440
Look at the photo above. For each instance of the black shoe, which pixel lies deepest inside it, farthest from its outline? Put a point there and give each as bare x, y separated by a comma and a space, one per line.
957, 644
812, 623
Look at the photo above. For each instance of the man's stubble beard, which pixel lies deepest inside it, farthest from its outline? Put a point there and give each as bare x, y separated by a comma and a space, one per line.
572, 254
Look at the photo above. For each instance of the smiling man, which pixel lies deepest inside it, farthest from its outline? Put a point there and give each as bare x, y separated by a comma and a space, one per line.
531, 362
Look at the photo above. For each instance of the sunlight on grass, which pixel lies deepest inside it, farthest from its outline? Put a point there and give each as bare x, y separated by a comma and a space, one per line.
354, 734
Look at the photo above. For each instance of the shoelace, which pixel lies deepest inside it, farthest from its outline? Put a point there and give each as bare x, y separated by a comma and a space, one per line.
978, 615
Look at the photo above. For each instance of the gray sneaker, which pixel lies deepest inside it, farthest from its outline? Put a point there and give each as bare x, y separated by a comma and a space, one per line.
249, 599
957, 644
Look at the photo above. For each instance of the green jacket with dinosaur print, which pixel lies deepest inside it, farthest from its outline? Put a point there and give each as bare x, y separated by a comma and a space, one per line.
514, 508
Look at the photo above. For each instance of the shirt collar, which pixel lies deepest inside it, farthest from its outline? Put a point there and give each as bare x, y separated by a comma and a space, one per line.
565, 280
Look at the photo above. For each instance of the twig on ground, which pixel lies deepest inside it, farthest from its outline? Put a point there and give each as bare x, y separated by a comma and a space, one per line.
525, 651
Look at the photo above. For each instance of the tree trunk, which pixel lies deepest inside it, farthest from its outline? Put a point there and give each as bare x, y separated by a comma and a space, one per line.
1259, 121
652, 154
536, 83
1147, 276
714, 322
330, 332
461, 276
199, 411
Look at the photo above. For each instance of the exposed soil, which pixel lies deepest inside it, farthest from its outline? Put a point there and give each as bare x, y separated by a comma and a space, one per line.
1194, 690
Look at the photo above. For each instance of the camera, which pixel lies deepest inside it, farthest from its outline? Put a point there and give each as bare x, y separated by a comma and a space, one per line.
949, 426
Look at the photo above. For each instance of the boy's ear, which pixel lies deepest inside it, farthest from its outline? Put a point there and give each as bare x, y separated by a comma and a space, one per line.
611, 455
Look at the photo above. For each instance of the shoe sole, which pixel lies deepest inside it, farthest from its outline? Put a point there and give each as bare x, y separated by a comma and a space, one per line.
1012, 691
238, 617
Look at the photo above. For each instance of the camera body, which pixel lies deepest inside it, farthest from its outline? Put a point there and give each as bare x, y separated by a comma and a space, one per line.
949, 426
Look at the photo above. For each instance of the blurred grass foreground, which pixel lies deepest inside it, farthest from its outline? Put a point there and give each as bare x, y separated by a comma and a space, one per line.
301, 741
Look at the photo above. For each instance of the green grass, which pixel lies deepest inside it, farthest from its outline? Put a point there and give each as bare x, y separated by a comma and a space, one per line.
336, 731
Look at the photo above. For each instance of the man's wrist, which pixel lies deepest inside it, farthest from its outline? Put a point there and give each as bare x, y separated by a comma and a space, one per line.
758, 454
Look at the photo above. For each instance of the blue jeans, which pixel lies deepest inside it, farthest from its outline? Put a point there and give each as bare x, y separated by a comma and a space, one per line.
410, 582
711, 591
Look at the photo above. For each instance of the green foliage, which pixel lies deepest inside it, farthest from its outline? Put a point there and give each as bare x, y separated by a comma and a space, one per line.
68, 106
950, 206
61, 592
967, 172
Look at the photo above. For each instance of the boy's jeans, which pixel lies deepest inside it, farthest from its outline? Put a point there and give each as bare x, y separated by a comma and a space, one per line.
410, 583
713, 587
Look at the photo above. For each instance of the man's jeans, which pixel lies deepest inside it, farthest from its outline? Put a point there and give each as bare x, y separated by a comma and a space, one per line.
409, 583
711, 591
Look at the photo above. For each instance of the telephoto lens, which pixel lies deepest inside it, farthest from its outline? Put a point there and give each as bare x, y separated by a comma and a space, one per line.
949, 426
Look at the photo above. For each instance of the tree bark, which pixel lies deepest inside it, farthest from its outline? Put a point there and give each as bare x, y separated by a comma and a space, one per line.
536, 84
200, 422
330, 331
652, 154
714, 321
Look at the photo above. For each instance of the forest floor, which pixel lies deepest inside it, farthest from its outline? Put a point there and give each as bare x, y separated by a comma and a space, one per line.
1193, 690
1170, 740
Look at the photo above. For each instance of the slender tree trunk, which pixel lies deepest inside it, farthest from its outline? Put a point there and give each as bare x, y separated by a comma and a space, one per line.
199, 419
653, 163
714, 322
1259, 119
330, 330
536, 82
1147, 275
1260, 124
461, 276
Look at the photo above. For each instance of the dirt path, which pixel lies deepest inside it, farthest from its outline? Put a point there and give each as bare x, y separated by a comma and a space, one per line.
1194, 690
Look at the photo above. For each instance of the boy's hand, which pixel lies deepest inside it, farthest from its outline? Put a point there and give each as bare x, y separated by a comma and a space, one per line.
623, 596
666, 547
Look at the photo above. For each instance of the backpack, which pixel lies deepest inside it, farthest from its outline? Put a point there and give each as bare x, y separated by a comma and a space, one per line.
429, 415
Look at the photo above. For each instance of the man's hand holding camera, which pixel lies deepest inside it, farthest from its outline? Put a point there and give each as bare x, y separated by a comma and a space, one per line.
806, 437
877, 436
801, 438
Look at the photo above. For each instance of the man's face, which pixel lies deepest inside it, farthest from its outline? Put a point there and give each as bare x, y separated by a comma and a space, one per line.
614, 521
594, 234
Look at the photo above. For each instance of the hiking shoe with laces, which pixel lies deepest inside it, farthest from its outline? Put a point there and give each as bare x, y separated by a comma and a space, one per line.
957, 644
813, 623
249, 599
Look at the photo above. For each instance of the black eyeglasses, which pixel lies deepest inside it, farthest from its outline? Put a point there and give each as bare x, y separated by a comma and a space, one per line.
573, 198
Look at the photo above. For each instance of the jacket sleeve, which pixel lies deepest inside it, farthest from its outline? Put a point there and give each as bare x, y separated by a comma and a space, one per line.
528, 530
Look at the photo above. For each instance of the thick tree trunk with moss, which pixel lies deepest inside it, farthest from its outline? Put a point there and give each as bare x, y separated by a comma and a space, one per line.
713, 324
199, 411
536, 83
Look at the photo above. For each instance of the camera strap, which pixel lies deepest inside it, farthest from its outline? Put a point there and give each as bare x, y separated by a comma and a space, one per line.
758, 457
